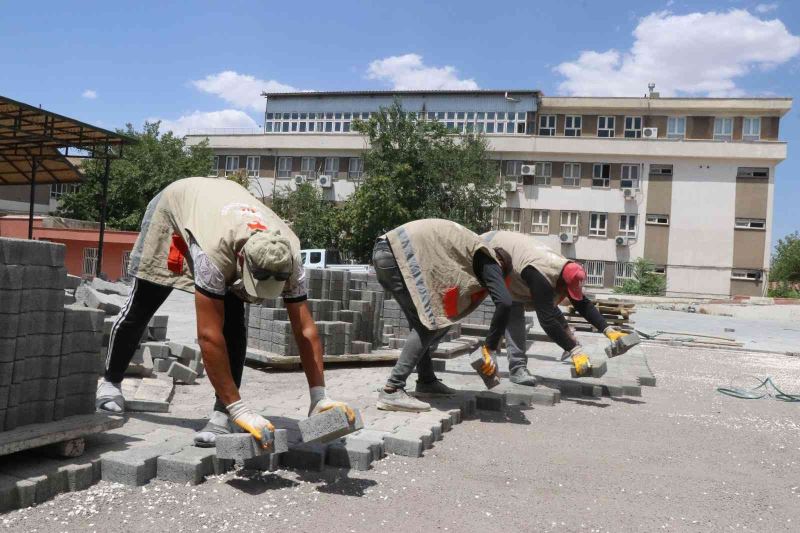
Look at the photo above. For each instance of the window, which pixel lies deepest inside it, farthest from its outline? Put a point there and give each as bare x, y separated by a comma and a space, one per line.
633, 127
752, 172
676, 127
231, 164
605, 126
569, 222
332, 167
601, 175
212, 172
627, 226
547, 125
513, 168
572, 125
126, 259
661, 220
630, 177
57, 190
597, 224
661, 170
540, 222
356, 168
572, 174
749, 275
509, 219
315, 258
89, 261
284, 167
750, 223
542, 173
253, 165
595, 273
723, 129
308, 167
751, 128
660, 269
622, 273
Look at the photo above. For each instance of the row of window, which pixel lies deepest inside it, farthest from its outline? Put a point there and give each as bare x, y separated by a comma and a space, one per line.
510, 219
90, 262
739, 223
632, 127
57, 190
601, 174
503, 122
310, 167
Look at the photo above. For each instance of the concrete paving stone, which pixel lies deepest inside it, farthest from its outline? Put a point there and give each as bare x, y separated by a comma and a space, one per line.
490, 401
8, 348
429, 431
198, 367
9, 324
146, 406
182, 373
190, 465
155, 390
11, 276
107, 287
80, 318
78, 476
111, 304
6, 373
158, 350
185, 352
41, 300
9, 495
356, 455
371, 437
10, 300
138, 465
30, 252
269, 462
241, 446
404, 442
305, 456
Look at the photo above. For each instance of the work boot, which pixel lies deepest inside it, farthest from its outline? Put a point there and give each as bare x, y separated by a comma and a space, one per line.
433, 389
522, 376
218, 424
109, 397
399, 400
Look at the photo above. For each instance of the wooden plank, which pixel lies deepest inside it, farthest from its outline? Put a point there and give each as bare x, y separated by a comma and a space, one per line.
72, 427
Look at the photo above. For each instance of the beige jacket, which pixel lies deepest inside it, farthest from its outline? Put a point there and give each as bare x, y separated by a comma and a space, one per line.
219, 214
525, 251
435, 258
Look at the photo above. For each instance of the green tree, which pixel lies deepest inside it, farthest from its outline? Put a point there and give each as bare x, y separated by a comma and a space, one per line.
144, 169
416, 169
312, 218
785, 263
645, 280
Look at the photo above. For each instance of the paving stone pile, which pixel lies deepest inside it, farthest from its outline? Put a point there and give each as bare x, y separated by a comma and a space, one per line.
49, 353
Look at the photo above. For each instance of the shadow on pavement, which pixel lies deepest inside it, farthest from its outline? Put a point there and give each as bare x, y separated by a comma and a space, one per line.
337, 481
255, 482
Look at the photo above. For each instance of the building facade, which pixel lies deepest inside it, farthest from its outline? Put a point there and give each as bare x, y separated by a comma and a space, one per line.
684, 182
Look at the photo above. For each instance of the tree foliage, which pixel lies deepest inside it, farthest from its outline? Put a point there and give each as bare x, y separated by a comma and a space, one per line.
415, 169
144, 169
645, 282
313, 218
785, 263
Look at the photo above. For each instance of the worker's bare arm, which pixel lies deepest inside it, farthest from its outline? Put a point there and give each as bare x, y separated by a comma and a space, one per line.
210, 319
307, 337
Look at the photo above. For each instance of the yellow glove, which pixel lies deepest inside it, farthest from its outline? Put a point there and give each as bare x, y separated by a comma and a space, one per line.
581, 362
613, 334
321, 403
489, 367
258, 426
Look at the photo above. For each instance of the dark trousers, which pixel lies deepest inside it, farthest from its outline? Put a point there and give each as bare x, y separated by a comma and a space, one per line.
421, 341
142, 304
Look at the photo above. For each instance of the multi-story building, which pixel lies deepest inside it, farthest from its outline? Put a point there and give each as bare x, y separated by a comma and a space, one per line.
684, 182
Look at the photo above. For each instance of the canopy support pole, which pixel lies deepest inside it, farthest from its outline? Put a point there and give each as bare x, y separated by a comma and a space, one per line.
103, 203
34, 164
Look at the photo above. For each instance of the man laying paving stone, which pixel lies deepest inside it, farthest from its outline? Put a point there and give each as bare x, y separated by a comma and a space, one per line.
213, 238
439, 272
542, 278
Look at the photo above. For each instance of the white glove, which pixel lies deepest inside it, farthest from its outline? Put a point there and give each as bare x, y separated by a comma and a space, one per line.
321, 403
255, 424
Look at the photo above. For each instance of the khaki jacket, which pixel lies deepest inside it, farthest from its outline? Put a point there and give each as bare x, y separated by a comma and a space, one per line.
435, 258
525, 251
219, 214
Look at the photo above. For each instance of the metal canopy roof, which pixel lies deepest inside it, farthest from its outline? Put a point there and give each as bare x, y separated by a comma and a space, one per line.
53, 168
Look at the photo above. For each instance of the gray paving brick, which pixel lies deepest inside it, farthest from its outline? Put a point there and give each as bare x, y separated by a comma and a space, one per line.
138, 465
356, 455
78, 476
403, 442
305, 456
242, 446
329, 425
191, 465
9, 495
182, 373
490, 401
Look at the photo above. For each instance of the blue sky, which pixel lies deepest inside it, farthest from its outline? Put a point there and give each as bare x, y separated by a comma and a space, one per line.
203, 63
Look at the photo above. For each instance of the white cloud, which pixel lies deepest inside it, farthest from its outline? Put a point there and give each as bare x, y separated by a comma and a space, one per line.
766, 8
200, 120
408, 72
241, 90
89, 94
694, 54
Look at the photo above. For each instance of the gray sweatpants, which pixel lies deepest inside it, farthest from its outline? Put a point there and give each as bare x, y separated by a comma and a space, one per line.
515, 338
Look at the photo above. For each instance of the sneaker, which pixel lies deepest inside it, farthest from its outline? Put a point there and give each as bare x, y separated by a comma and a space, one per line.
522, 376
109, 397
399, 400
218, 424
433, 389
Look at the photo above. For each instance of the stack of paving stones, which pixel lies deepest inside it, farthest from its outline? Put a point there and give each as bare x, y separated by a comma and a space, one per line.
347, 307
49, 354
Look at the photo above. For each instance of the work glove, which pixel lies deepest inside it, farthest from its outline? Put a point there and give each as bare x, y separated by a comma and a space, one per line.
613, 333
259, 427
489, 367
581, 362
321, 403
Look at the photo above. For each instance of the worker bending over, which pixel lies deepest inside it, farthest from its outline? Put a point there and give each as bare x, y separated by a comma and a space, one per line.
542, 278
213, 238
439, 272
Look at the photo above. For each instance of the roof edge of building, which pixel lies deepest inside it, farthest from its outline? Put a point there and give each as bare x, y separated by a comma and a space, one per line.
410, 92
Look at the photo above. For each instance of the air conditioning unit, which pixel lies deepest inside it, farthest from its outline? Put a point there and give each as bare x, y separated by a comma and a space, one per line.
299, 179
649, 133
510, 186
528, 170
567, 238
623, 241
627, 193
325, 181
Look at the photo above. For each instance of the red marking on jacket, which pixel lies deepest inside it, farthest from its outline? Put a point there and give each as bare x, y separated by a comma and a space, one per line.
256, 226
450, 298
177, 252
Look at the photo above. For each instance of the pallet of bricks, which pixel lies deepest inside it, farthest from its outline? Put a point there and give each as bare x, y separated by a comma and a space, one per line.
617, 314
50, 356
347, 308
